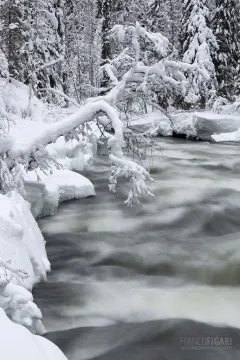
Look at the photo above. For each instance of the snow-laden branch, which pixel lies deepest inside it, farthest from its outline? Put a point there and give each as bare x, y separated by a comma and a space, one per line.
139, 179
51, 63
7, 272
143, 76
60, 93
51, 132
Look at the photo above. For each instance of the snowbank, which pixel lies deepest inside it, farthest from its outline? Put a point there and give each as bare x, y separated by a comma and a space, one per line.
154, 123
14, 102
18, 343
198, 125
21, 241
232, 136
206, 124
53, 189
23, 261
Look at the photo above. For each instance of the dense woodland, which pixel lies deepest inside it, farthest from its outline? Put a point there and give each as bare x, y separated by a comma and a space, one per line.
77, 47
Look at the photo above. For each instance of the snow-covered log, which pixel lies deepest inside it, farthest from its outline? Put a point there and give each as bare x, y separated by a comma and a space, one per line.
28, 143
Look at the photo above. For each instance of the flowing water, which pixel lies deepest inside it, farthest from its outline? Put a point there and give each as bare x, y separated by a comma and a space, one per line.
135, 283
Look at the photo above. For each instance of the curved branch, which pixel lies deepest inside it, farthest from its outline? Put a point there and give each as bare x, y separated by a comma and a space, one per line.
51, 132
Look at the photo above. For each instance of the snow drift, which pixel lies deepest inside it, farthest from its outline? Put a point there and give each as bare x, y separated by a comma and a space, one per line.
18, 343
23, 261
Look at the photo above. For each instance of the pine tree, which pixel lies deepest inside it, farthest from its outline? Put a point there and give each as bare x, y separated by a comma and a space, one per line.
3, 65
226, 29
83, 47
198, 45
160, 15
13, 35
165, 18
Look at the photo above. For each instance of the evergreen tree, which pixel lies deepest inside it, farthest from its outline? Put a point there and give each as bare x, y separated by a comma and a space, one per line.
226, 29
198, 45
13, 32
165, 17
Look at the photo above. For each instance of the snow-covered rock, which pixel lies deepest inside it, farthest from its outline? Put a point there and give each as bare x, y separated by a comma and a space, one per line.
18, 343
224, 137
207, 124
65, 185
202, 125
183, 124
62, 185
154, 123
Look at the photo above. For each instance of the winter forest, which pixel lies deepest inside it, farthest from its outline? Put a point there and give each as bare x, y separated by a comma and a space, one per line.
119, 179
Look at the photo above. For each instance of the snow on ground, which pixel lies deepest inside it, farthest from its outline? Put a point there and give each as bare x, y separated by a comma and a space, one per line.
18, 343
208, 124
53, 189
154, 123
14, 102
23, 261
200, 125
224, 137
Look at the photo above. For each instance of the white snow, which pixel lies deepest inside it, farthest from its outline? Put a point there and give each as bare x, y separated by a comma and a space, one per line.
23, 261
201, 125
21, 241
231, 136
26, 141
18, 343
154, 123
207, 124
53, 189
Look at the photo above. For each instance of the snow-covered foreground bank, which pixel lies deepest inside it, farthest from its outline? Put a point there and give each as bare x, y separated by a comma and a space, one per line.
23, 263
18, 343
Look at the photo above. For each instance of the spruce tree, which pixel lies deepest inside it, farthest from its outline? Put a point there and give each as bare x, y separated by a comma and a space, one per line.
13, 32
226, 29
165, 18
198, 45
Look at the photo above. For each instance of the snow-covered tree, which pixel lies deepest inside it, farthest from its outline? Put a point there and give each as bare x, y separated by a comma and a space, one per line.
165, 17
13, 29
83, 47
227, 30
3, 65
32, 39
144, 71
199, 46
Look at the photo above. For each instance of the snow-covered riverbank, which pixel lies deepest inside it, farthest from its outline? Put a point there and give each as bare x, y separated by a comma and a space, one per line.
206, 126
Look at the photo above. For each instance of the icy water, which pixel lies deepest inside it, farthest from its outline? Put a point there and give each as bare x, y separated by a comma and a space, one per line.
140, 283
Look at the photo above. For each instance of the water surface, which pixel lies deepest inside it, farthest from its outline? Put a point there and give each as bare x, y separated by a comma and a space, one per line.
130, 283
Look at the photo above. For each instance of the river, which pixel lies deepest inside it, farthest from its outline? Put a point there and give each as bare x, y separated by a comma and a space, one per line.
135, 283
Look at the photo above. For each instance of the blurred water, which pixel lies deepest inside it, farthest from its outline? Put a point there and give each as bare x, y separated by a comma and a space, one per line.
120, 274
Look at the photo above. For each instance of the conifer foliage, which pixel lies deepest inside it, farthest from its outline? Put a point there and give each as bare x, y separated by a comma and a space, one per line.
226, 29
199, 46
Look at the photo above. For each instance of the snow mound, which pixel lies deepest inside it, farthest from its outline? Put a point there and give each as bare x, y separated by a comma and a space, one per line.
21, 241
53, 189
232, 136
14, 102
206, 124
183, 124
154, 124
18, 343
23, 261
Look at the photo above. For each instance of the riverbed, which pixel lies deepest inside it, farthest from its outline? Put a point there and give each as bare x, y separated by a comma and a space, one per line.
133, 283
